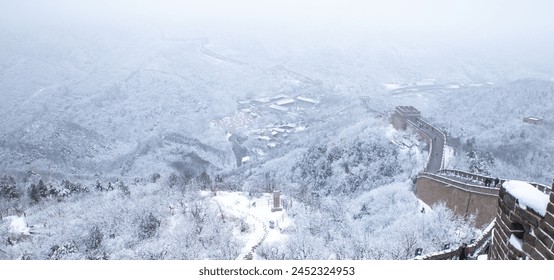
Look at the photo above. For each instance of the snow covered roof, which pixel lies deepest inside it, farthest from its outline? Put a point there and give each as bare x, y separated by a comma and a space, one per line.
533, 119
306, 99
263, 100
280, 96
391, 86
245, 159
278, 108
285, 101
425, 83
527, 195
264, 138
288, 125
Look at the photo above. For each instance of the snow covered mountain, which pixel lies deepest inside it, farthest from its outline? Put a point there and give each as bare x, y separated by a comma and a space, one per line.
492, 117
164, 140
90, 103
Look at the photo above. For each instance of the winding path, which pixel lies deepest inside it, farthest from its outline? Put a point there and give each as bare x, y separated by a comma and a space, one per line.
257, 213
437, 141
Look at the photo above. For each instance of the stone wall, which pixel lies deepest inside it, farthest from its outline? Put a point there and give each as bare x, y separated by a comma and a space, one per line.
473, 250
461, 198
536, 231
398, 121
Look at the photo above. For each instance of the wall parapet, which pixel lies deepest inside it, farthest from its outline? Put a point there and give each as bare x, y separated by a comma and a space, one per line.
420, 120
476, 178
460, 185
428, 141
473, 250
521, 232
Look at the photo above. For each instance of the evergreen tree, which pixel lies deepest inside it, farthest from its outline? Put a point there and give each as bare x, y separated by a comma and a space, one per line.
148, 227
8, 188
172, 181
94, 239
123, 188
38, 192
204, 180
43, 189
98, 186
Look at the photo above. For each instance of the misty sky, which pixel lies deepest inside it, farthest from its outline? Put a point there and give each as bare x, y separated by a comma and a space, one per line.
506, 18
508, 26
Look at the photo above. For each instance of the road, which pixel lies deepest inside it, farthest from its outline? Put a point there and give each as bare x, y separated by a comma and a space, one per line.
435, 162
238, 149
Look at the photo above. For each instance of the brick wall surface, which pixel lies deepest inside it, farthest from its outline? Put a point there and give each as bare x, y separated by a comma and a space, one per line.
462, 202
538, 239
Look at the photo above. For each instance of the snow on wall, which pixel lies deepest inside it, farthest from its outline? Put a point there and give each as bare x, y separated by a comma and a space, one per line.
516, 242
527, 195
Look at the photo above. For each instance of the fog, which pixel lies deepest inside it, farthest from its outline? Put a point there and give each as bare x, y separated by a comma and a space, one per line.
142, 104
473, 22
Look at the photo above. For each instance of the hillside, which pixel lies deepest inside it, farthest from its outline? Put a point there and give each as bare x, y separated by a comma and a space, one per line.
154, 144
493, 118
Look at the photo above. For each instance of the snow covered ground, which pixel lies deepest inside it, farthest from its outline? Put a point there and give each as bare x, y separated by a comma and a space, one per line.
18, 225
256, 211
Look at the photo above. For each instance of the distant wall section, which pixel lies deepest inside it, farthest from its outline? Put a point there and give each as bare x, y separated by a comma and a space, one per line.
461, 198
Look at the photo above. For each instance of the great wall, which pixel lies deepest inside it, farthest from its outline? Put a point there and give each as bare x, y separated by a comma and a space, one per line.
513, 230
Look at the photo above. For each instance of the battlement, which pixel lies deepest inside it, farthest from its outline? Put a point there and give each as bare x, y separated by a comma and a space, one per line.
522, 213
408, 111
524, 226
402, 114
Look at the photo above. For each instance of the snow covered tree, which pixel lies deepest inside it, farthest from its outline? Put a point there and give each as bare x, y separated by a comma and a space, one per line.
148, 227
155, 177
172, 181
38, 192
94, 238
204, 181
65, 251
123, 188
8, 188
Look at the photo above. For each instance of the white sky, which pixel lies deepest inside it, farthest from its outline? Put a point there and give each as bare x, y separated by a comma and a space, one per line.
461, 17
515, 27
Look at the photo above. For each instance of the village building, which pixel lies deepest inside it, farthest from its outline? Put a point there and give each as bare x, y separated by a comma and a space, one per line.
245, 159
262, 100
278, 108
533, 120
307, 100
285, 101
264, 138
280, 96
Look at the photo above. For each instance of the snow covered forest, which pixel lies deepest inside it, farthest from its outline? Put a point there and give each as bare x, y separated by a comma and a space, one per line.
123, 137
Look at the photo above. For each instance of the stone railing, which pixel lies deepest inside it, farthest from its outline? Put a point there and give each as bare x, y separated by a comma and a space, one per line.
473, 250
461, 185
480, 179
474, 178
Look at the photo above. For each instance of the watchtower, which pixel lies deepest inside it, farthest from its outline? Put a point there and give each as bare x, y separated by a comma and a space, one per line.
402, 114
276, 201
